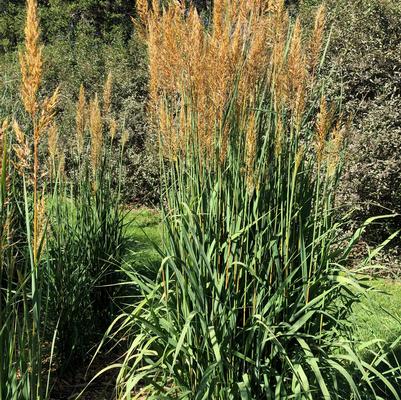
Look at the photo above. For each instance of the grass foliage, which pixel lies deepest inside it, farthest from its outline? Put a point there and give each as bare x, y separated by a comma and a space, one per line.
250, 295
253, 297
60, 238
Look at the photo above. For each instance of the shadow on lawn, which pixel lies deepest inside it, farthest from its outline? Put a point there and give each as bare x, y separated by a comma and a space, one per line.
384, 366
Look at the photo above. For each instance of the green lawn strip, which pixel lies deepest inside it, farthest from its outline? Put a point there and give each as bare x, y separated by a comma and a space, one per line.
143, 230
379, 315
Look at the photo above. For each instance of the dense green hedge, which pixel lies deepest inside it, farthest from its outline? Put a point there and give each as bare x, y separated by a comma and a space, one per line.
62, 19
365, 66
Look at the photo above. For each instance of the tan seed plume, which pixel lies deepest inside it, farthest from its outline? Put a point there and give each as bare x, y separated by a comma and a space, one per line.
80, 120
96, 130
52, 141
41, 233
3, 132
107, 91
246, 44
48, 112
113, 129
250, 149
21, 149
334, 150
31, 60
124, 138
316, 42
142, 8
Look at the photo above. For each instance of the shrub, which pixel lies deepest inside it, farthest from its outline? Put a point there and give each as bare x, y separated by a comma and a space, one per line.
365, 67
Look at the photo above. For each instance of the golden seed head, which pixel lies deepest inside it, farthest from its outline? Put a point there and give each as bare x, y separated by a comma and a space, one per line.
247, 44
47, 114
299, 157
250, 152
4, 126
3, 130
297, 73
96, 130
80, 120
112, 129
107, 91
52, 140
21, 149
334, 149
124, 138
31, 60
316, 41
142, 8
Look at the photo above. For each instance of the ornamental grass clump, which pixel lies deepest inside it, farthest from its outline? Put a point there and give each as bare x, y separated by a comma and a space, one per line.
253, 296
61, 236
87, 239
22, 234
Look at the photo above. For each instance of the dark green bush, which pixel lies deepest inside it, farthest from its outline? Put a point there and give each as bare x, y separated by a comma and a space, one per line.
365, 66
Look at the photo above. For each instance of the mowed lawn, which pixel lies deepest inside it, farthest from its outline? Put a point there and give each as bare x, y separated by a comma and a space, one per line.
377, 317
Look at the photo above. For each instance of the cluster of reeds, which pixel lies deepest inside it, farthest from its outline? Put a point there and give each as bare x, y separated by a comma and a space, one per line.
61, 237
253, 298
23, 230
87, 233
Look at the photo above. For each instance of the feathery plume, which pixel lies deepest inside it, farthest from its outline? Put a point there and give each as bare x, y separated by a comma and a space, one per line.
52, 141
31, 60
124, 138
107, 94
296, 73
250, 150
47, 114
112, 129
142, 8
316, 41
247, 43
21, 149
334, 149
218, 17
80, 120
299, 157
96, 131
41, 232
3, 130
